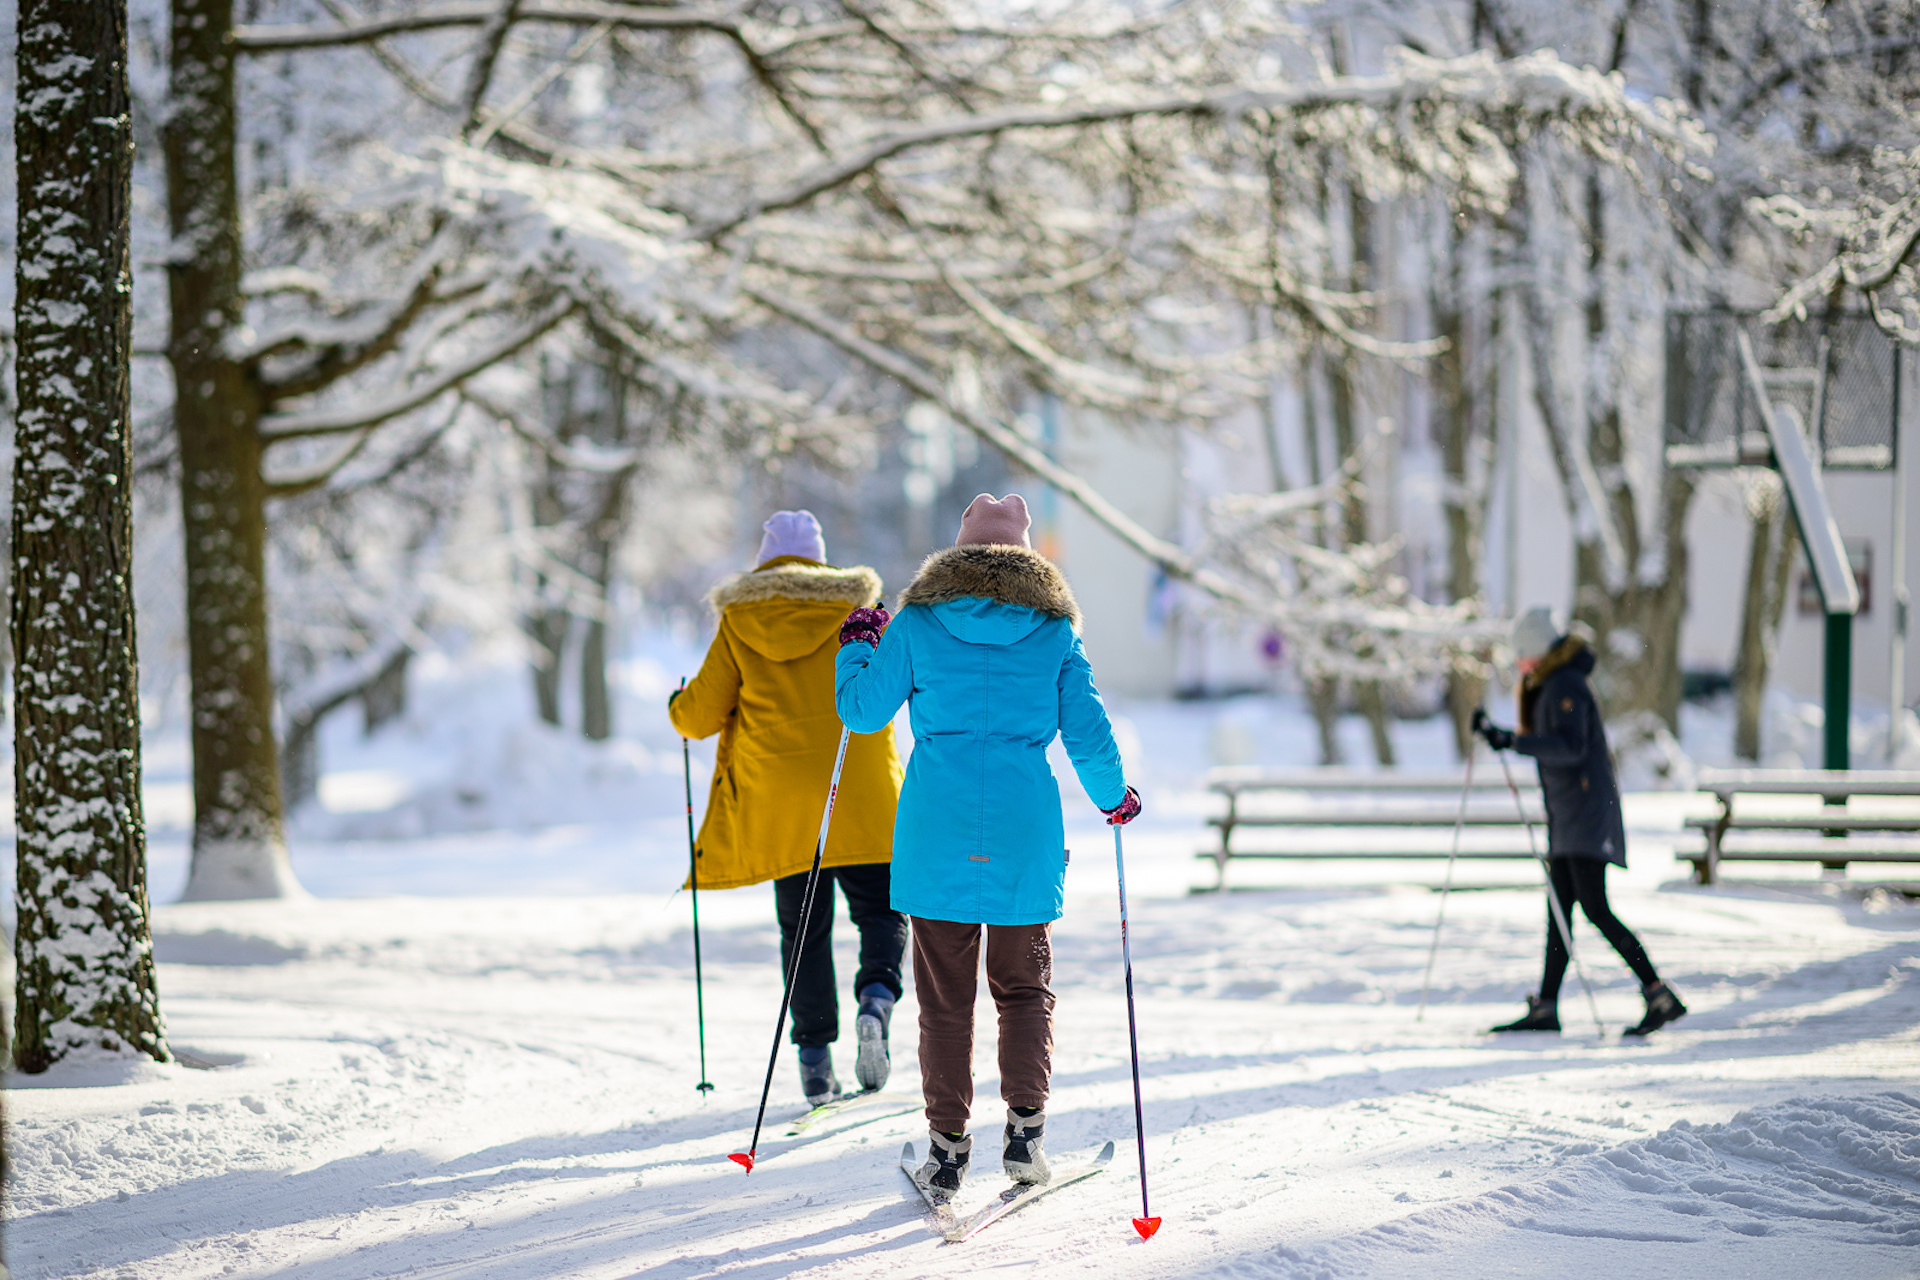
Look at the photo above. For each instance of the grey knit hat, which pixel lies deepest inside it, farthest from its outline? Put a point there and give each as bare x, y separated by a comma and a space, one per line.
1533, 633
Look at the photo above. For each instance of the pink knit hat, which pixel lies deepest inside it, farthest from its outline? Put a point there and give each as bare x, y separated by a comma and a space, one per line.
995, 521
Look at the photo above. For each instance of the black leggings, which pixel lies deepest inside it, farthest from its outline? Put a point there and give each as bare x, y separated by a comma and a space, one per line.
1584, 880
883, 942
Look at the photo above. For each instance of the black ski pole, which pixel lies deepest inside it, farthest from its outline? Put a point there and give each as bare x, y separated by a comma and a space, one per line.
1146, 1224
693, 881
745, 1158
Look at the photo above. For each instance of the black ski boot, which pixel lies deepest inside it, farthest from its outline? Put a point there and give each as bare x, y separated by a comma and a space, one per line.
873, 1064
946, 1165
1541, 1016
817, 1080
1662, 1007
1023, 1159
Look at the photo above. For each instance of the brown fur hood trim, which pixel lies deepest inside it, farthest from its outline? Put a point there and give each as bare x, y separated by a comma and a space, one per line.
1570, 649
1011, 575
789, 578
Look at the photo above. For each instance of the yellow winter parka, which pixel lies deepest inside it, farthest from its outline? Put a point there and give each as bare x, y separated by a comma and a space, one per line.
766, 688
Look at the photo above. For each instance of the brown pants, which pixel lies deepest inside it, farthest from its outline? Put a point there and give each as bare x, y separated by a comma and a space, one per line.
946, 971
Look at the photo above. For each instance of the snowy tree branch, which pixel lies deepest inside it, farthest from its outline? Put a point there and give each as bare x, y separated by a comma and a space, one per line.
1538, 81
274, 39
278, 427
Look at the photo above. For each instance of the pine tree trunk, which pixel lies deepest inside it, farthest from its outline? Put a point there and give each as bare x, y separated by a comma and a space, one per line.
239, 849
85, 982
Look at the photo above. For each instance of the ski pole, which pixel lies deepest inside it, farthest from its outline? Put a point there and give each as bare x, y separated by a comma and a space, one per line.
693, 881
1446, 887
745, 1158
1146, 1224
1553, 899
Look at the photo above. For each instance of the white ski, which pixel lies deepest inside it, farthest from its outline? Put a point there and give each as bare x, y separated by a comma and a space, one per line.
1019, 1196
893, 1104
938, 1205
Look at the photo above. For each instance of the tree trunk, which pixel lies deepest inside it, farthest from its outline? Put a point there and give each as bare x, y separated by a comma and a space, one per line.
1323, 692
596, 698
1466, 685
239, 849
1369, 696
84, 945
1775, 547
384, 699
548, 629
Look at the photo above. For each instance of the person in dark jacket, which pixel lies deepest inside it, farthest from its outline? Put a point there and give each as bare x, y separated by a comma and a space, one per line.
1560, 728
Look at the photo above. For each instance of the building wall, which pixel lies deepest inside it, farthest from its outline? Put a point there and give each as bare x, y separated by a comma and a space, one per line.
1122, 597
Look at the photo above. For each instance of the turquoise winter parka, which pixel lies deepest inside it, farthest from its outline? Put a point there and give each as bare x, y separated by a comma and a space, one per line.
986, 651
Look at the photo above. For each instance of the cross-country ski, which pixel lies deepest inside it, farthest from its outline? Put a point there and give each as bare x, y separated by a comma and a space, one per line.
1019, 1196
869, 1108
939, 1204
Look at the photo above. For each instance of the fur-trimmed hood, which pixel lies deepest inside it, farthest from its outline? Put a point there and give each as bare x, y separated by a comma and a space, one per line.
1011, 575
789, 607
1568, 651
791, 578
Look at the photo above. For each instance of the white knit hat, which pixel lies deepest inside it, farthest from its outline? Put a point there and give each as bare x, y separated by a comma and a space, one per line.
792, 533
1533, 633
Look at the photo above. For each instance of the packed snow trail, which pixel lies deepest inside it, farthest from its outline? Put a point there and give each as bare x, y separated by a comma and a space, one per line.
502, 1088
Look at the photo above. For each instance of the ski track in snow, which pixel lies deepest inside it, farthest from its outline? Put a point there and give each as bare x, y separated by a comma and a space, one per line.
503, 1088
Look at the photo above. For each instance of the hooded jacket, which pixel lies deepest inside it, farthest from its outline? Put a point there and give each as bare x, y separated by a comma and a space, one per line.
986, 652
766, 688
1560, 728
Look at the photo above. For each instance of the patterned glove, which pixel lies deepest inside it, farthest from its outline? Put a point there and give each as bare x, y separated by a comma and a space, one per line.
1129, 810
865, 625
1497, 738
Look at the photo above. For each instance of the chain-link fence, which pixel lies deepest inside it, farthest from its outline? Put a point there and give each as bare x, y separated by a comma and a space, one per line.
1840, 372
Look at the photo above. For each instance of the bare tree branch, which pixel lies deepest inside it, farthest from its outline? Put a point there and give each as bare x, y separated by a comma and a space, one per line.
273, 39
492, 35
278, 427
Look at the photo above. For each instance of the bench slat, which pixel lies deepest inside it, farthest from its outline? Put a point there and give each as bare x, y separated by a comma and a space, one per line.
1365, 855
1808, 822
1376, 820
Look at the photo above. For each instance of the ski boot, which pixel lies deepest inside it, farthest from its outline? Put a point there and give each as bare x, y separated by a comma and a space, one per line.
817, 1080
1662, 1007
1540, 1016
946, 1165
1023, 1159
873, 1064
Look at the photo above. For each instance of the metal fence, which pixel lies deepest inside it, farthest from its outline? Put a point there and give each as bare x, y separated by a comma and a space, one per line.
1841, 372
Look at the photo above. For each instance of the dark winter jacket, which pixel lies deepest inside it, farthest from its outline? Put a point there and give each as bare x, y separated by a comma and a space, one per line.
1560, 728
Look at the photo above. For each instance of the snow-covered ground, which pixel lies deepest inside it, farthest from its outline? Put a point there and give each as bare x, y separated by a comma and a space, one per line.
472, 1054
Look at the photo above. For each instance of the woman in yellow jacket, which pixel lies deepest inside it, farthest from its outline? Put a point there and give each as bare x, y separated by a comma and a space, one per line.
766, 688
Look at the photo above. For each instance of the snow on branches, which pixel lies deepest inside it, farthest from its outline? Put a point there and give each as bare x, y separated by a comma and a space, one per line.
1876, 245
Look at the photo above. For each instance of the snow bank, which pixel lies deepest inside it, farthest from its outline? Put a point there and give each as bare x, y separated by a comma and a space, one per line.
1829, 1178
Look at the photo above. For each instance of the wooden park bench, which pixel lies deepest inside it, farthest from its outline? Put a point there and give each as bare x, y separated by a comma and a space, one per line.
1321, 809
1832, 836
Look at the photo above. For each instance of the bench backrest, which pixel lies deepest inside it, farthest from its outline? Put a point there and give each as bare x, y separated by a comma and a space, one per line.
1237, 780
1833, 784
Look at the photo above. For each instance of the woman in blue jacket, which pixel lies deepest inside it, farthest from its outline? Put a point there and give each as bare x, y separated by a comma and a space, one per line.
986, 651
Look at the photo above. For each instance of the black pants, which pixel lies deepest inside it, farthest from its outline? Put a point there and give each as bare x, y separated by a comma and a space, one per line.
883, 942
1584, 880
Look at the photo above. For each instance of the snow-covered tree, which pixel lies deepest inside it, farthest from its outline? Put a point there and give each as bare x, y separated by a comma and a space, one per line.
84, 949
